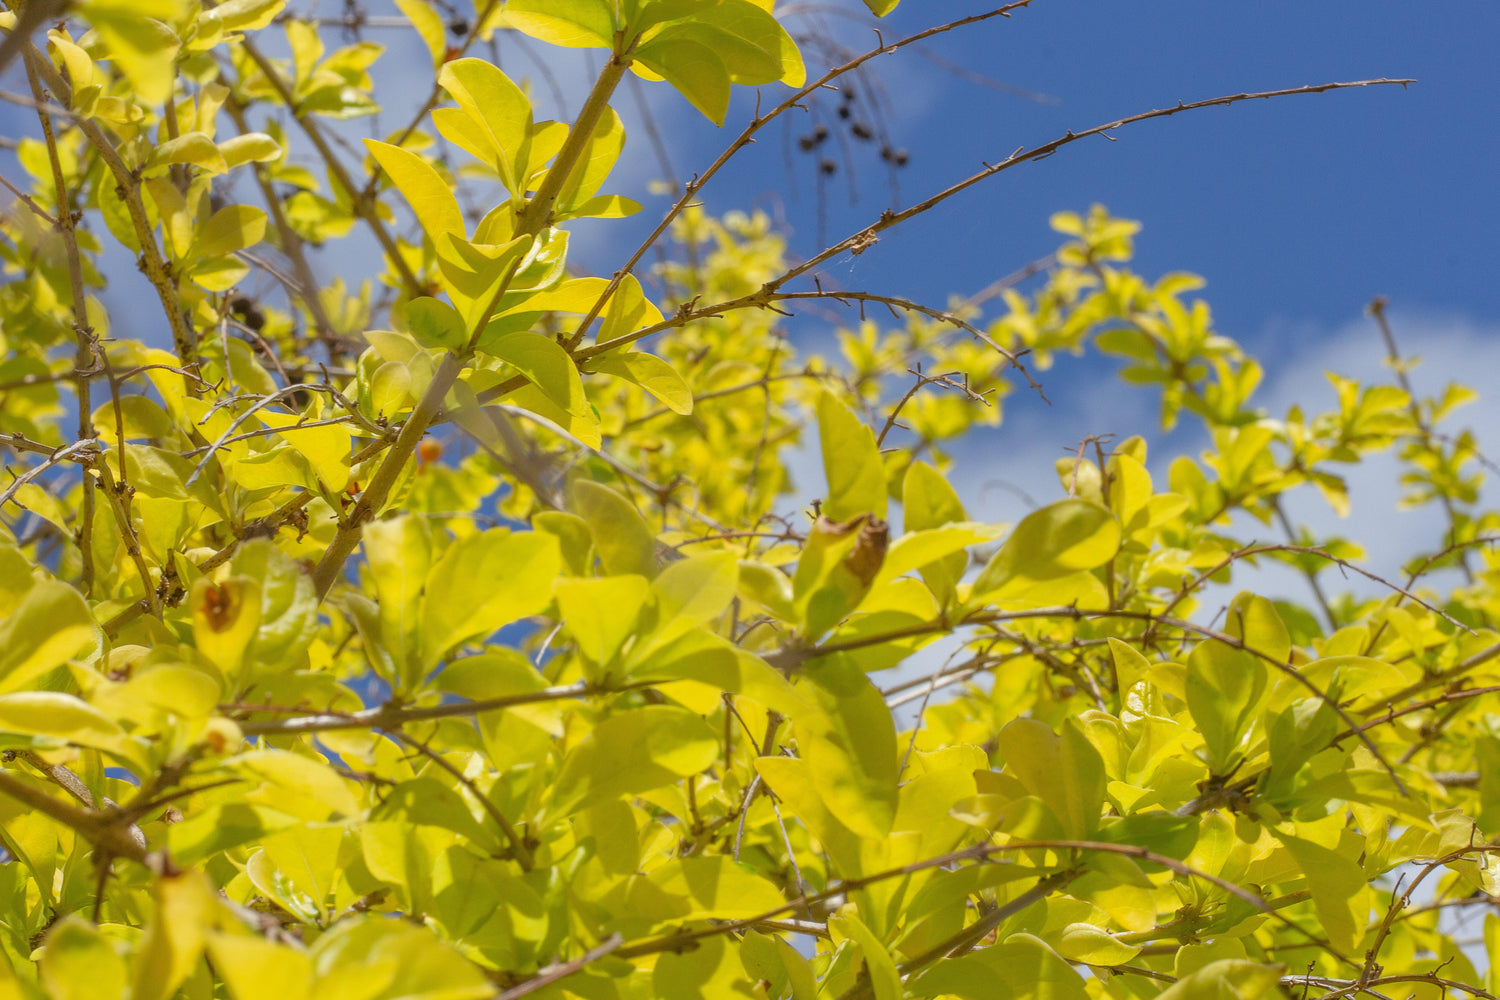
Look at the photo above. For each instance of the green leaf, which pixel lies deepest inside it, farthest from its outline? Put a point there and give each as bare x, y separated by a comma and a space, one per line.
701, 888
1064, 771
1067, 537
193, 148
838, 565
247, 15
694, 69
430, 197
628, 311
428, 802
296, 869
499, 108
879, 966
753, 46
546, 364
58, 716
1254, 621
473, 274
326, 446
231, 228
880, 8
697, 589
594, 166
143, 47
1020, 966
436, 324
399, 556
374, 956
1227, 979
1093, 945
650, 373
483, 582
80, 963
1337, 885
1226, 688
625, 543
927, 499
221, 827
630, 753
257, 969
570, 23
573, 538
429, 25
922, 549
50, 626
297, 784
390, 389
218, 274
186, 906
602, 615
850, 745
851, 463
712, 969
709, 659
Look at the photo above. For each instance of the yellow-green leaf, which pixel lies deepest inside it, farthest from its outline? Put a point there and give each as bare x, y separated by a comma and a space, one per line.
851, 463
546, 364
571, 23
632, 752
231, 228
622, 538
51, 625
430, 197
483, 582
650, 373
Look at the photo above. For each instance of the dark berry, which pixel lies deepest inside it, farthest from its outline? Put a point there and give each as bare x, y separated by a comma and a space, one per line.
861, 131
828, 167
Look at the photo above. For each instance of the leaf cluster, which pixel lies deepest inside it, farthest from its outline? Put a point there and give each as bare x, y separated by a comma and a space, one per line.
433, 638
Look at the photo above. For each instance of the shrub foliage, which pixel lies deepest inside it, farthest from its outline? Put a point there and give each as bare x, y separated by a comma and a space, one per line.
432, 639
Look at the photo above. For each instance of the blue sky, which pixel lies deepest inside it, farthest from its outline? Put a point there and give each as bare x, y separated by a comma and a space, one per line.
1298, 211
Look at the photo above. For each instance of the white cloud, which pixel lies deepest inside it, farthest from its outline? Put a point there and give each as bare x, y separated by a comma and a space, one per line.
1002, 473
1451, 349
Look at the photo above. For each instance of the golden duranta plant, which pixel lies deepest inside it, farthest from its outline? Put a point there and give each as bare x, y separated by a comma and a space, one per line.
449, 636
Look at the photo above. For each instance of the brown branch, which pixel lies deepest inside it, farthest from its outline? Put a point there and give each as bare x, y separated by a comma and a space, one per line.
363, 207
1253, 550
553, 973
747, 136
518, 849
681, 939
1424, 428
537, 216
890, 219
156, 268
99, 828
392, 717
306, 284
965, 940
